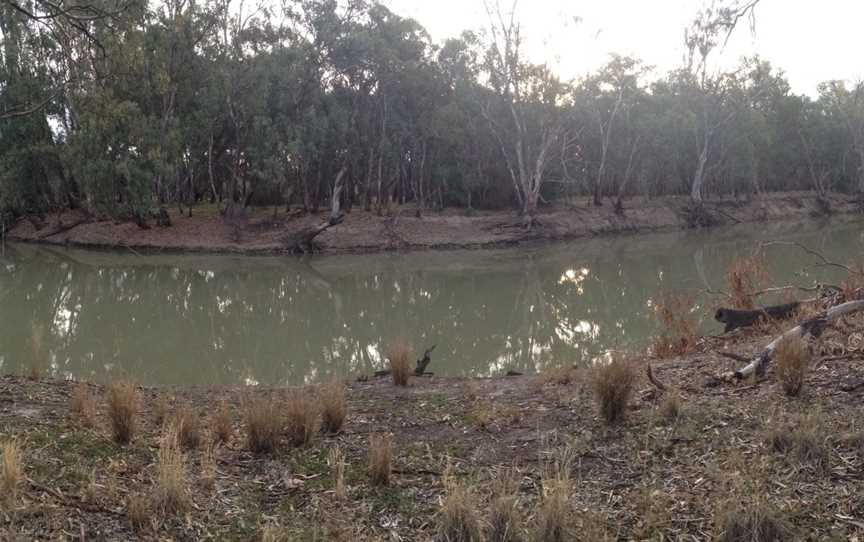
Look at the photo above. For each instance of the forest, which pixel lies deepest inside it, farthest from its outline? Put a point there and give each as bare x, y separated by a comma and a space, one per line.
119, 106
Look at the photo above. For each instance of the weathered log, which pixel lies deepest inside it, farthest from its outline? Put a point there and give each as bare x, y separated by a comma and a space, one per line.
735, 318
303, 242
812, 326
424, 362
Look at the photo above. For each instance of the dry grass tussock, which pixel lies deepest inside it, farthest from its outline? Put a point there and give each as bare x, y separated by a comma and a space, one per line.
803, 441
678, 335
162, 409
302, 417
263, 423
138, 511
613, 385
208, 466
122, 410
399, 357
670, 408
334, 406
221, 424
82, 403
459, 519
505, 520
11, 473
555, 520
754, 521
744, 278
188, 425
380, 459
170, 495
791, 362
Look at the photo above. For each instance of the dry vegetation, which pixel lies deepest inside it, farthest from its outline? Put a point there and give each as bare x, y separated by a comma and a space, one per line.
459, 518
380, 459
613, 386
399, 359
791, 361
11, 473
170, 492
745, 277
263, 423
678, 335
82, 403
334, 406
302, 417
221, 424
188, 425
122, 410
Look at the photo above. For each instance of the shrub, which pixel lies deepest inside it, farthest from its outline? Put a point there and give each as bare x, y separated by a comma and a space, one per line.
170, 491
11, 473
458, 519
122, 409
302, 419
792, 359
263, 424
678, 335
399, 356
137, 511
613, 386
188, 425
221, 424
380, 459
334, 406
83, 404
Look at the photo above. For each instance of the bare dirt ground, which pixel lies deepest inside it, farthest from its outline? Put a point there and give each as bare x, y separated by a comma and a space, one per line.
655, 476
402, 230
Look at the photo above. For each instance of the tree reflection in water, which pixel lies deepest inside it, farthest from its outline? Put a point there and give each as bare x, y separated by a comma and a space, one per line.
225, 320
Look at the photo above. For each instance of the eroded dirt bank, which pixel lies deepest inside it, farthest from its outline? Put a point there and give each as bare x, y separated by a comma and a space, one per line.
367, 232
731, 448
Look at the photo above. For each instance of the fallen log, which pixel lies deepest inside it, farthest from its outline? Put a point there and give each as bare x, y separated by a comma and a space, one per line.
812, 326
62, 228
735, 318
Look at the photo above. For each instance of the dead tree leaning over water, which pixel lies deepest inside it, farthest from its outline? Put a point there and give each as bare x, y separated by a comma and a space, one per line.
303, 241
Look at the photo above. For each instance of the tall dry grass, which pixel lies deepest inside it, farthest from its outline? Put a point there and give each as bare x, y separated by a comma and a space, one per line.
82, 403
399, 357
11, 473
221, 424
744, 278
334, 406
122, 410
263, 424
459, 518
505, 520
188, 424
380, 459
791, 363
336, 461
613, 386
302, 417
170, 492
678, 334
555, 519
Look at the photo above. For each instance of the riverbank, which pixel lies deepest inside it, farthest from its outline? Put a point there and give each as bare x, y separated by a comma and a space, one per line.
689, 463
206, 231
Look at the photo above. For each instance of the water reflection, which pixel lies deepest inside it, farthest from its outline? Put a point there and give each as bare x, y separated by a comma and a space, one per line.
223, 320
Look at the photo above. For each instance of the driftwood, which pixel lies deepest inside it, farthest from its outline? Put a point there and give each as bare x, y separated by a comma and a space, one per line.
734, 318
812, 326
303, 241
61, 228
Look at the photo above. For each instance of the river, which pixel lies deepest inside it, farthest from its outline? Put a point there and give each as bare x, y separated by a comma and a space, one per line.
171, 319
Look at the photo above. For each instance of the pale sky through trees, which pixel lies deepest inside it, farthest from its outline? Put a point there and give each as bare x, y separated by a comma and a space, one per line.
811, 41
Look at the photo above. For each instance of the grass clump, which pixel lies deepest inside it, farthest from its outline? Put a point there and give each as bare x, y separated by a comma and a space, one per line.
399, 357
302, 417
613, 385
263, 424
122, 410
11, 473
753, 522
555, 520
792, 359
670, 407
803, 441
188, 428
221, 424
162, 409
505, 521
458, 519
82, 403
334, 406
170, 496
380, 459
137, 511
678, 335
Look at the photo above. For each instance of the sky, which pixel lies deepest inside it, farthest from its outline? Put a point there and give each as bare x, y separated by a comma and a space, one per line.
810, 40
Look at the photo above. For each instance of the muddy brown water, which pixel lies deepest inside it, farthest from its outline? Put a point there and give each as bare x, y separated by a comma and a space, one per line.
212, 320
